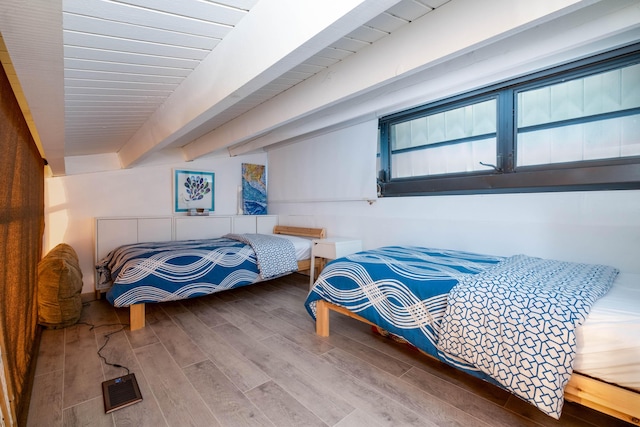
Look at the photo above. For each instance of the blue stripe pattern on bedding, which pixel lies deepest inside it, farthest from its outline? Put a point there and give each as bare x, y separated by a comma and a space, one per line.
516, 322
510, 321
401, 289
167, 271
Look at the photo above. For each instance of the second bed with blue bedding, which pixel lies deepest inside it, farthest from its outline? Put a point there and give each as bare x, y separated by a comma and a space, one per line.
509, 320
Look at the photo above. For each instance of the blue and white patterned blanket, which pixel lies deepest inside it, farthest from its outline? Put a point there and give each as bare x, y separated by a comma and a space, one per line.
516, 322
167, 271
276, 256
401, 289
509, 321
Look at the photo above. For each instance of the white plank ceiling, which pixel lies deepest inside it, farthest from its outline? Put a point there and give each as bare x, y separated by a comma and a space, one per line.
123, 59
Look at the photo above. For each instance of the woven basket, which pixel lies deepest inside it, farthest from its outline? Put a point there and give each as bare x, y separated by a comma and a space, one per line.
59, 288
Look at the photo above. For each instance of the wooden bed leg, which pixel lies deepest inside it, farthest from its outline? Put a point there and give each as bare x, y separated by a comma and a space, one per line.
322, 318
136, 316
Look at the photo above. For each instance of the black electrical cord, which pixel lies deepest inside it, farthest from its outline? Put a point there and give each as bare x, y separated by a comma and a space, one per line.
108, 336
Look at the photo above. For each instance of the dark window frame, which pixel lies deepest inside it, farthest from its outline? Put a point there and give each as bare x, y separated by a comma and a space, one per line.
600, 174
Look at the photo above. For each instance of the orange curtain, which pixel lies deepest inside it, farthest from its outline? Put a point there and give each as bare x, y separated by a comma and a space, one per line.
21, 232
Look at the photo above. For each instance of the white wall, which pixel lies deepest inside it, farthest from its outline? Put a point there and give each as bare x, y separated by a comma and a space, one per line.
73, 201
597, 227
591, 226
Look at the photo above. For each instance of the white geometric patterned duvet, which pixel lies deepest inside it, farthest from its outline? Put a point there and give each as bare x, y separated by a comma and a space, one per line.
516, 322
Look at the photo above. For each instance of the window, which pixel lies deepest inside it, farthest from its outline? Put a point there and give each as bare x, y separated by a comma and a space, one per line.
575, 127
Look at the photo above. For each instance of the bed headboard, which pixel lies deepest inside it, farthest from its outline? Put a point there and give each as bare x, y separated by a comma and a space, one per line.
316, 233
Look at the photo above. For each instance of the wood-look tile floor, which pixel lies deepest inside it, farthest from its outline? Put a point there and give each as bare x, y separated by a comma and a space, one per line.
250, 357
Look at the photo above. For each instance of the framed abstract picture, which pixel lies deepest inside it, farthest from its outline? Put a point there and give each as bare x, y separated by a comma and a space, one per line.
193, 190
254, 189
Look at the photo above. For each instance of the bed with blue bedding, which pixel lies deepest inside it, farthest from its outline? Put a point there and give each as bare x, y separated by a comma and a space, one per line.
509, 320
152, 272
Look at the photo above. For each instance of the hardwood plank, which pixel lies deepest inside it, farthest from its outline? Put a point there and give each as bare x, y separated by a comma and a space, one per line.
100, 312
231, 294
229, 405
140, 337
357, 418
428, 406
207, 310
572, 415
183, 350
253, 302
50, 352
45, 408
320, 400
82, 368
89, 413
117, 350
296, 283
180, 403
385, 411
279, 298
282, 408
171, 308
464, 399
241, 320
298, 318
362, 333
243, 373
283, 327
370, 355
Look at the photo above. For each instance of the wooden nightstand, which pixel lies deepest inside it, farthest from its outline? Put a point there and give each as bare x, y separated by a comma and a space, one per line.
331, 248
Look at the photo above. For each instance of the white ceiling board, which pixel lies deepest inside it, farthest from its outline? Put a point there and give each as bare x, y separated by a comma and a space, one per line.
121, 11
409, 10
273, 37
360, 73
348, 45
31, 32
141, 41
115, 84
98, 65
107, 76
195, 9
433, 3
387, 23
367, 33
89, 53
124, 30
124, 93
118, 44
308, 68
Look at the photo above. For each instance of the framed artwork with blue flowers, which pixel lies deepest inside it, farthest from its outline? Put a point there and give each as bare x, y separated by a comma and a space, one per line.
193, 190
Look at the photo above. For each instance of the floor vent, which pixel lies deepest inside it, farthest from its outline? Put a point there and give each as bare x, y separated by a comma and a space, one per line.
120, 392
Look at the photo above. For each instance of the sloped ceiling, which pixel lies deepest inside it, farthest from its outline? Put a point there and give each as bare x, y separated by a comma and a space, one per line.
132, 78
137, 76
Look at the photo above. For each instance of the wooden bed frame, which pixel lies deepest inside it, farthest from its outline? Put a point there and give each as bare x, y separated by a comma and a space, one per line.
604, 397
137, 311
